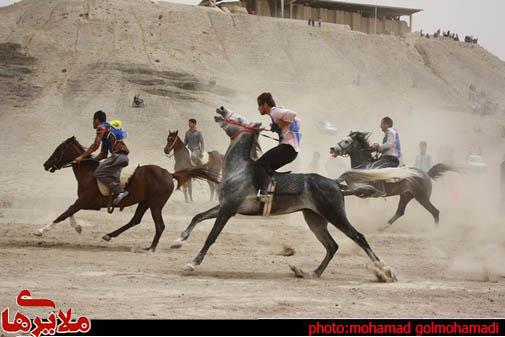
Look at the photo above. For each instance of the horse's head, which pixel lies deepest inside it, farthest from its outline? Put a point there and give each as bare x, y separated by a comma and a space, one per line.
233, 124
64, 154
171, 140
355, 141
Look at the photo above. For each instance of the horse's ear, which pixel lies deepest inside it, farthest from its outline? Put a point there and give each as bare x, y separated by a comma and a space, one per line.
176, 132
169, 131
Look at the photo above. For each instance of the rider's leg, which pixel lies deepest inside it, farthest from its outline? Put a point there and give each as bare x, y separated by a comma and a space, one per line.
270, 161
109, 171
384, 162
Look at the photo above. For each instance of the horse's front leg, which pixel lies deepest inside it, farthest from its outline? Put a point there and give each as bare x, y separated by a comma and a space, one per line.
69, 212
209, 214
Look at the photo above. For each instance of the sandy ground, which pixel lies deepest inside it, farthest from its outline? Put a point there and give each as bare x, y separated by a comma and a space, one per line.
243, 276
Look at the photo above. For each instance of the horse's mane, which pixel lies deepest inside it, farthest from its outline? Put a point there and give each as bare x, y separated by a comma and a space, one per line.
361, 137
256, 148
76, 142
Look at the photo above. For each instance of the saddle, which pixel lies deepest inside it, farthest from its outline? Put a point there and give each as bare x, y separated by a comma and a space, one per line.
202, 161
126, 174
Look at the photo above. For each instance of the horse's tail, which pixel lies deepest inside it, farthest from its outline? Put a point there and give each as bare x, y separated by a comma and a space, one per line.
355, 176
184, 175
439, 169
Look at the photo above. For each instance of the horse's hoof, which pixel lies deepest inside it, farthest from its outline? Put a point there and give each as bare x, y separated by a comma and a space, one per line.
177, 244
106, 237
189, 268
383, 273
300, 273
78, 229
384, 227
149, 249
37, 232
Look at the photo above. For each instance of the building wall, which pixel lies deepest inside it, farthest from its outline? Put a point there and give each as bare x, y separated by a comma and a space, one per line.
354, 20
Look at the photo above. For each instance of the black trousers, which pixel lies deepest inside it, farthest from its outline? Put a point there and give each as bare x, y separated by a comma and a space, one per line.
272, 160
386, 161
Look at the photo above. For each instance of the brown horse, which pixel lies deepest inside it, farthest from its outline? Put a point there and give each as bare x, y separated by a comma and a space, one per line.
183, 161
150, 186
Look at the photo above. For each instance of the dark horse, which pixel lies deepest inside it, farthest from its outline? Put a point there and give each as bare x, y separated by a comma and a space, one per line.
318, 198
415, 185
183, 161
150, 186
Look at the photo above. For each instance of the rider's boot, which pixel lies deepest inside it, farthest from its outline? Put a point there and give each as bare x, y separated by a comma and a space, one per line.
264, 193
121, 195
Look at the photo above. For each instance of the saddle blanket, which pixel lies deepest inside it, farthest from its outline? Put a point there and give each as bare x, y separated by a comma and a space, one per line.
126, 173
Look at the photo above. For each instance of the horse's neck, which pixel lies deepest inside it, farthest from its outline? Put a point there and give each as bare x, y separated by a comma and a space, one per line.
181, 154
359, 158
84, 171
239, 153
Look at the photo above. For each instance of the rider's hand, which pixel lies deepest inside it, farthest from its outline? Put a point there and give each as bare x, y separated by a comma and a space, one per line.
375, 147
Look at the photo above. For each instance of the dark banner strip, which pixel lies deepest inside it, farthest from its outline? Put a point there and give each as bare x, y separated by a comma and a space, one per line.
301, 327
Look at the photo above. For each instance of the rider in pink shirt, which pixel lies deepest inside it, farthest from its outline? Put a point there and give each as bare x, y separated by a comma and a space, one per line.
287, 126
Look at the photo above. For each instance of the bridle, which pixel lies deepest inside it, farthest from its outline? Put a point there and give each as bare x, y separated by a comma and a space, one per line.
243, 128
62, 150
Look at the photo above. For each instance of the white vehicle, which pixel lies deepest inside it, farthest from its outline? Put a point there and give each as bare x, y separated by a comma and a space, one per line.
475, 162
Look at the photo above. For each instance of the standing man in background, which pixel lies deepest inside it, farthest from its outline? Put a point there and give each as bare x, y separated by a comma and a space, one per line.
194, 141
423, 159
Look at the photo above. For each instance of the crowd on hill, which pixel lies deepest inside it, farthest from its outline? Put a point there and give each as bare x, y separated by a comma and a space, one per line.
450, 35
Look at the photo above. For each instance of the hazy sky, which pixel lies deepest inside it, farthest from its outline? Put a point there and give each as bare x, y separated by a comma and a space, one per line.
481, 18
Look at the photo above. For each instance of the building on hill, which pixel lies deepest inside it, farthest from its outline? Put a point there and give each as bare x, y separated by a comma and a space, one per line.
370, 19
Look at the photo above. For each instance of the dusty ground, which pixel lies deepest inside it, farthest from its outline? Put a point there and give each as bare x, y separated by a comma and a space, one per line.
243, 276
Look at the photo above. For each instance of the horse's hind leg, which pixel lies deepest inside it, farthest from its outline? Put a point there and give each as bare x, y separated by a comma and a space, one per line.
210, 214
425, 201
69, 212
384, 274
319, 226
137, 218
402, 204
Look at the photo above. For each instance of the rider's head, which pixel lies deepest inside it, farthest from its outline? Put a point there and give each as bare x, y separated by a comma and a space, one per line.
192, 123
99, 117
265, 103
386, 123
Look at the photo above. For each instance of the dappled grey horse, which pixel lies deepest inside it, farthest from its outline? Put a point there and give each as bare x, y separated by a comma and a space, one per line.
318, 198
414, 183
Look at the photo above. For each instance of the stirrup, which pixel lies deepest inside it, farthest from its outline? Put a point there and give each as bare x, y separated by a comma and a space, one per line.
268, 199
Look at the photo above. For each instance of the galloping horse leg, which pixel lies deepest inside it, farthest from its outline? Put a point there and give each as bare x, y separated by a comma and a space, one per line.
69, 212
402, 204
185, 190
74, 225
190, 190
210, 214
221, 220
425, 201
319, 226
158, 222
383, 273
137, 218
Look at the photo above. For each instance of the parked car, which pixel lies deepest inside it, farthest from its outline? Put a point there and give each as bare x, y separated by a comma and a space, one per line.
476, 163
